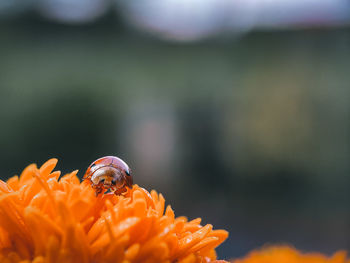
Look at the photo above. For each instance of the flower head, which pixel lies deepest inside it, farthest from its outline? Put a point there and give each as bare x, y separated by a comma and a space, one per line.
47, 219
287, 254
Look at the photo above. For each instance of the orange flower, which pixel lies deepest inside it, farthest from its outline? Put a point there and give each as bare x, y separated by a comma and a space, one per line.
287, 254
43, 219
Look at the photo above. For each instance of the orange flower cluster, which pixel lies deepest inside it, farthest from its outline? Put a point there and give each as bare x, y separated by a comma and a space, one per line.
287, 254
47, 219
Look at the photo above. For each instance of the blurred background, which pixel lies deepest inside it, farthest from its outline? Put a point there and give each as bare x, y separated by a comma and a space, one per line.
237, 111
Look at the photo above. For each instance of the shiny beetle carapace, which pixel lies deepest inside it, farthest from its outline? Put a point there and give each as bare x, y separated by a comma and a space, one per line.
109, 173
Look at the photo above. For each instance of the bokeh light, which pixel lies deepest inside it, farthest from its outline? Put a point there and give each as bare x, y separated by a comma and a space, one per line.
73, 11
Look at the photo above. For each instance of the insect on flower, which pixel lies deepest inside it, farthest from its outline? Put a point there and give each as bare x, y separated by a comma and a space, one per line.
109, 173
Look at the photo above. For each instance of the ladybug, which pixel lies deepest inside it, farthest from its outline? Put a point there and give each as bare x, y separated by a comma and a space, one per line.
109, 173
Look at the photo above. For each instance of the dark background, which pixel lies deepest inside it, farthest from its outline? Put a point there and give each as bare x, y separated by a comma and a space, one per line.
248, 130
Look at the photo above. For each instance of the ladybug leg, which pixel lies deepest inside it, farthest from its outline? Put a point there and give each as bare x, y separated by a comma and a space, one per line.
120, 191
98, 189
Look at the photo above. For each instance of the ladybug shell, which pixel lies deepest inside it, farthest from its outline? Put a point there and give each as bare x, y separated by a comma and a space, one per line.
110, 161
